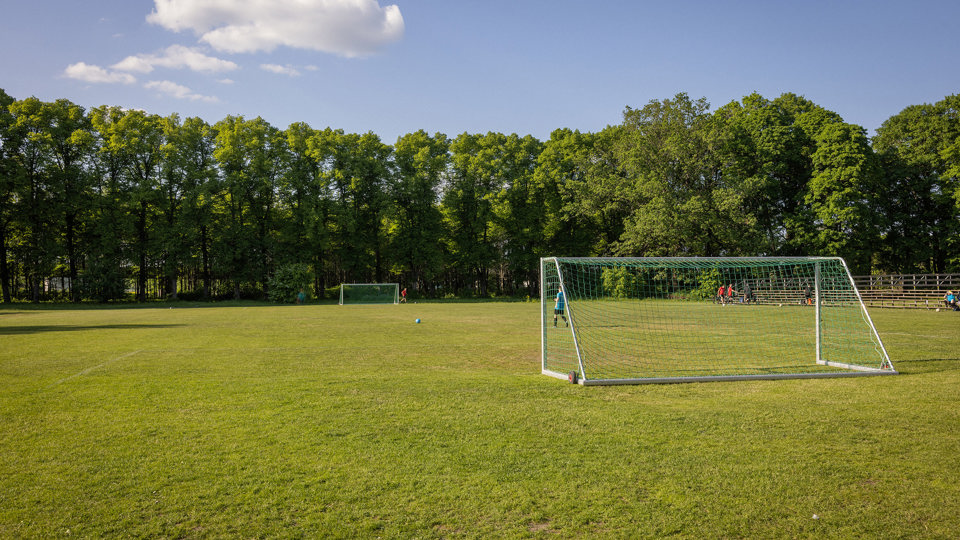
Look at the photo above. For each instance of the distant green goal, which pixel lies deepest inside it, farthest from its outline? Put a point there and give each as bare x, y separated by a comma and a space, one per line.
675, 319
369, 293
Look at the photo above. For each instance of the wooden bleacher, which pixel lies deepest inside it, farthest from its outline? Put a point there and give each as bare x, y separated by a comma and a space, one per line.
909, 291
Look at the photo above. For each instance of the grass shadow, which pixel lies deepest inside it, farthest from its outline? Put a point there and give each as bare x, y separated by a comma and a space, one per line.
927, 365
21, 307
39, 329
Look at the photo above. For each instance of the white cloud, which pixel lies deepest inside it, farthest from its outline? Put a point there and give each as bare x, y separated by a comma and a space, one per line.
226, 81
178, 91
346, 27
280, 70
96, 74
175, 57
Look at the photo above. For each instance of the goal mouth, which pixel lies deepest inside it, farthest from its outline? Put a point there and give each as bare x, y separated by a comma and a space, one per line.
698, 319
369, 293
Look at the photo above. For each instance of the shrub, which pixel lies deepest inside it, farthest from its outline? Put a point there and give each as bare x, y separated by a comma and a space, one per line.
709, 283
288, 281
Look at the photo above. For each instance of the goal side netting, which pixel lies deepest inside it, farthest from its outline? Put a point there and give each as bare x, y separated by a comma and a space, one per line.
665, 319
369, 293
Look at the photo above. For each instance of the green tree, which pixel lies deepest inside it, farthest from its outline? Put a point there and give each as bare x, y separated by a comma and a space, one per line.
762, 149
252, 157
809, 120
306, 199
187, 186
235, 239
519, 214
71, 143
842, 195
918, 150
141, 138
468, 209
683, 203
193, 148
950, 154
8, 175
599, 197
288, 281
296, 189
357, 171
34, 208
421, 163
562, 171
111, 228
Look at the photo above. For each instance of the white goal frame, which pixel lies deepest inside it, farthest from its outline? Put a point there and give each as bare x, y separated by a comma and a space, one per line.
581, 374
396, 292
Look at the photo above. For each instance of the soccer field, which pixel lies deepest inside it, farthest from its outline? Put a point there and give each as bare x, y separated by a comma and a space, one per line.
355, 422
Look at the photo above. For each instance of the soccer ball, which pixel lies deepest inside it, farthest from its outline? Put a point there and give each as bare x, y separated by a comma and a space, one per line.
418, 321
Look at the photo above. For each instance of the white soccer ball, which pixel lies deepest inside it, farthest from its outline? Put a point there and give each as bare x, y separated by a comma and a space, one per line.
779, 305
938, 310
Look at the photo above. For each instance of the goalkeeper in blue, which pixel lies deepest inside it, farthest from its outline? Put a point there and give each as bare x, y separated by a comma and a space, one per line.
558, 309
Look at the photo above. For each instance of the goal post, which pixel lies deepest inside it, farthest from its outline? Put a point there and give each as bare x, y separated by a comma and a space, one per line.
679, 319
369, 293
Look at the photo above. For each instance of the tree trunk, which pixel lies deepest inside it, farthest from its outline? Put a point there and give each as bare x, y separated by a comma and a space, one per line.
206, 262
72, 257
142, 234
4, 269
378, 260
172, 284
34, 282
320, 283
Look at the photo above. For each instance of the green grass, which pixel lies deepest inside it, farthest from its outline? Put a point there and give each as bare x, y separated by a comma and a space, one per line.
329, 421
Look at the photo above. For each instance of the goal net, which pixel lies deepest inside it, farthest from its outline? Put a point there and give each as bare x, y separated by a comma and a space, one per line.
369, 293
637, 320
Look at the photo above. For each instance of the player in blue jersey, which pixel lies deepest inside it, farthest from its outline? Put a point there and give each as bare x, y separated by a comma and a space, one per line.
558, 309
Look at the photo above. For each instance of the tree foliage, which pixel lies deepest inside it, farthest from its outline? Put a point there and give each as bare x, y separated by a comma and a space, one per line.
920, 151
109, 203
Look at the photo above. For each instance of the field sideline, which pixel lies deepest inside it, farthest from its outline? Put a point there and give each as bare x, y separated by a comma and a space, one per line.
352, 421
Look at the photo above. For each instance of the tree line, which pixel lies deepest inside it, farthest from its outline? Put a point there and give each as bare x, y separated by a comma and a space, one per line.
109, 203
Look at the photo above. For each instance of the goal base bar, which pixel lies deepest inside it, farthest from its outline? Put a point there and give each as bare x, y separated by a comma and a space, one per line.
858, 371
561, 376
855, 367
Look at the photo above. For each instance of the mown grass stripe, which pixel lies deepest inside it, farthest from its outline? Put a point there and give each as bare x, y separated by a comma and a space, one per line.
94, 368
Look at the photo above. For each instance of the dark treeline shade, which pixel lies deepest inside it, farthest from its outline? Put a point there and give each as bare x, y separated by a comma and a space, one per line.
108, 204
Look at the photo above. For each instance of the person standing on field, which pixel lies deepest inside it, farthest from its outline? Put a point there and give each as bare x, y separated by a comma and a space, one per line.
558, 309
403, 296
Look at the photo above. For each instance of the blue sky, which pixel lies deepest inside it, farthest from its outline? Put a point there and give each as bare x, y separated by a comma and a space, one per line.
526, 67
